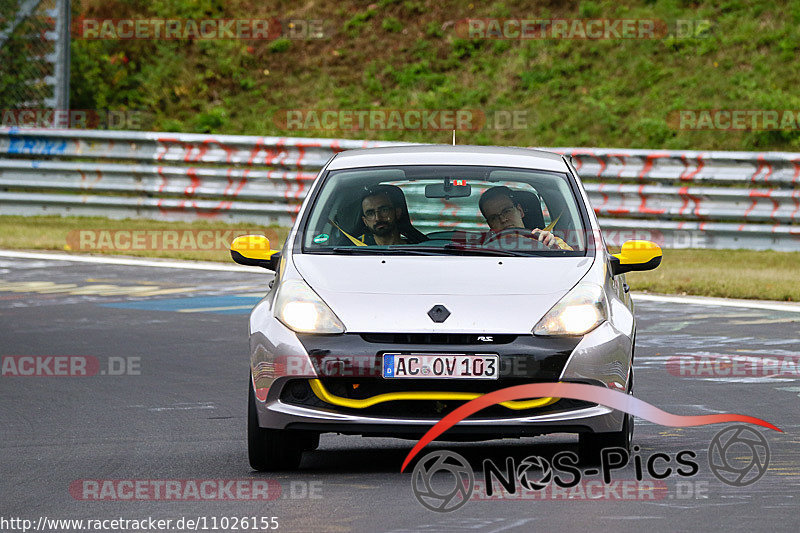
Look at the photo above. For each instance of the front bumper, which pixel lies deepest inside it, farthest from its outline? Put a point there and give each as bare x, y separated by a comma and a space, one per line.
602, 357
288, 416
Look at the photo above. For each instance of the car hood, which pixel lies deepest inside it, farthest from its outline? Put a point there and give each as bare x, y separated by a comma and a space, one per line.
385, 293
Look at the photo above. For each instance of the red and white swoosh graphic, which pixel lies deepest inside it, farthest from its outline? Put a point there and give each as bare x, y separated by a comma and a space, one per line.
578, 391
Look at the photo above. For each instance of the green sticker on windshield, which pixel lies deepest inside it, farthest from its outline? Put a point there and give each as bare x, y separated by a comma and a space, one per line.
322, 237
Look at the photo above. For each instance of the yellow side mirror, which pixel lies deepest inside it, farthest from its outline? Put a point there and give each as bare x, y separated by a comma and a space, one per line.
636, 256
254, 250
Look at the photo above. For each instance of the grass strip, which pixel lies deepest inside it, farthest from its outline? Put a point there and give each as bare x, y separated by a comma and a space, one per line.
747, 274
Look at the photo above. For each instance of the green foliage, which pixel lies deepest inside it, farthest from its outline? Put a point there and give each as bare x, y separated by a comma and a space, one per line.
420, 75
211, 121
501, 46
534, 77
500, 10
7, 11
652, 132
392, 25
371, 82
21, 76
465, 48
423, 49
615, 93
247, 83
434, 29
414, 7
354, 26
281, 44
589, 10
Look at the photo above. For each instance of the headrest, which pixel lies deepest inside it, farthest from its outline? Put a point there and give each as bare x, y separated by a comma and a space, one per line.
532, 207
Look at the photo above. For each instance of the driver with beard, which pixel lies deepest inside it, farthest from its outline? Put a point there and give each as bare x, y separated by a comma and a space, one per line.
381, 217
502, 212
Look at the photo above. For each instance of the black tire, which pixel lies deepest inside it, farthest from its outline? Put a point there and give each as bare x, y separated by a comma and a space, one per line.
590, 445
270, 449
310, 440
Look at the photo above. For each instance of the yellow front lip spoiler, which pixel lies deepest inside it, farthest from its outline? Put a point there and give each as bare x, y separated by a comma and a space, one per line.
323, 394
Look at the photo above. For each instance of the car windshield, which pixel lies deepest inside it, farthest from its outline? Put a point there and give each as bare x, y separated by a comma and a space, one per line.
445, 210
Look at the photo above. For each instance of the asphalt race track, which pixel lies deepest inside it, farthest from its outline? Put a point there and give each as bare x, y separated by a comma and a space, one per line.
167, 401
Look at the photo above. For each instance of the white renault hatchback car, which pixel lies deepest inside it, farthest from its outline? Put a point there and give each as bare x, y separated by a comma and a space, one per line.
418, 278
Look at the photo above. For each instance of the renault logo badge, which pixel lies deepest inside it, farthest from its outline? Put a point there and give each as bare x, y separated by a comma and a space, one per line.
438, 313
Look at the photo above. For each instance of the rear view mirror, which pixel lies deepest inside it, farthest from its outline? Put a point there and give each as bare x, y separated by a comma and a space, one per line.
636, 256
254, 250
450, 188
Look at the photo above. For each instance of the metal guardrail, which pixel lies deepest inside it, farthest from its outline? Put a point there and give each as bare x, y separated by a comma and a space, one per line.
263, 179
286, 152
696, 203
687, 167
677, 198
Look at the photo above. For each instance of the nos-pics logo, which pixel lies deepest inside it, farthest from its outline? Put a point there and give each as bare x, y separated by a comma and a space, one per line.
442, 495
443, 481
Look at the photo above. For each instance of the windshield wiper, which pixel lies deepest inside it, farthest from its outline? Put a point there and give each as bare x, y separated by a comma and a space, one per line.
466, 250
460, 249
372, 250
447, 249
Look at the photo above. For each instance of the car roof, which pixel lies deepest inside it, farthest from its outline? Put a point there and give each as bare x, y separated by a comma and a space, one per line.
443, 154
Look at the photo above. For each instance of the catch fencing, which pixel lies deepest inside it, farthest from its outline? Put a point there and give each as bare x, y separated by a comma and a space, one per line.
34, 54
679, 199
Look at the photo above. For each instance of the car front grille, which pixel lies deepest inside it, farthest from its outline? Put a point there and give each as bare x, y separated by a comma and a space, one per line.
535, 359
437, 338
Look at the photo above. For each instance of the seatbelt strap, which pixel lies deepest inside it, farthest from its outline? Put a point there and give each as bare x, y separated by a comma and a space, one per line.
552, 224
352, 239
559, 241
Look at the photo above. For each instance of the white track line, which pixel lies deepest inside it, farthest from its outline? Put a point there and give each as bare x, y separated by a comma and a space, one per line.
128, 261
723, 302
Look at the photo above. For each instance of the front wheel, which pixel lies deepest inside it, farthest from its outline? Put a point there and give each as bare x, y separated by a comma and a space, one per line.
310, 441
590, 445
270, 449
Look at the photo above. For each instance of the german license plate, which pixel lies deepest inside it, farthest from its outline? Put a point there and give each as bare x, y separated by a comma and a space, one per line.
461, 366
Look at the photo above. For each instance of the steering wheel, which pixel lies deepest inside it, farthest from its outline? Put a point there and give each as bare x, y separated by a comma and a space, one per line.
520, 233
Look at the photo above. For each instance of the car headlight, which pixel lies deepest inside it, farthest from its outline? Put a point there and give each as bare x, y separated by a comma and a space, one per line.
579, 312
300, 309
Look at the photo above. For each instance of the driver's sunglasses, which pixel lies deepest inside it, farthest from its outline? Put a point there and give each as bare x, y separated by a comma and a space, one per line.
381, 211
497, 217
